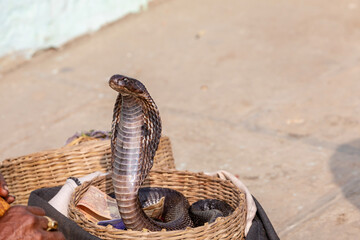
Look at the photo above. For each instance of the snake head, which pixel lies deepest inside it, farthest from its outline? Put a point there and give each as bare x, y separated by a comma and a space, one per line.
126, 85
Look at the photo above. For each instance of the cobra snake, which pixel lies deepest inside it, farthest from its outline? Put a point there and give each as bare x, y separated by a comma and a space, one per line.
136, 131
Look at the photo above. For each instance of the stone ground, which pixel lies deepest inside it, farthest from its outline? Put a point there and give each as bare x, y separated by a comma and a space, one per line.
268, 90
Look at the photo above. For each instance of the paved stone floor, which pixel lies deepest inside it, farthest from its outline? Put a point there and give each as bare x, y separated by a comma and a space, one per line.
268, 90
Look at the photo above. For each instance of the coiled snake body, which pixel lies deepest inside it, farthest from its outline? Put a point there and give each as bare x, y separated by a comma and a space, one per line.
136, 131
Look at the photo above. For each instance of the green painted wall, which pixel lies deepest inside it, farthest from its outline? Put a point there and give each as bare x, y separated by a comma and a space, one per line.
30, 25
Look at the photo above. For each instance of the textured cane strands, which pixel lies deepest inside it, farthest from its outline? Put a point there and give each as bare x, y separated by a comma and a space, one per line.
51, 168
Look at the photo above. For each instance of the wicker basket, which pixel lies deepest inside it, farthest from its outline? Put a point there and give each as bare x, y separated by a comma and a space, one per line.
51, 168
194, 186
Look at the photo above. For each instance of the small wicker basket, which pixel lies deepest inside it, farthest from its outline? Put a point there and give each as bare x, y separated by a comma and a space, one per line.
194, 186
51, 168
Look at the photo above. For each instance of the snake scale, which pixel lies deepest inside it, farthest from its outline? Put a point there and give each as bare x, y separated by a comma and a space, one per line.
136, 131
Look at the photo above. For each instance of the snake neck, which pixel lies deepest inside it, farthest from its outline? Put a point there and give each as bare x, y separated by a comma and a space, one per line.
137, 131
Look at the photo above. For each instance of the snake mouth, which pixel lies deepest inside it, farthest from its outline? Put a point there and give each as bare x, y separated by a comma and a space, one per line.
126, 85
119, 83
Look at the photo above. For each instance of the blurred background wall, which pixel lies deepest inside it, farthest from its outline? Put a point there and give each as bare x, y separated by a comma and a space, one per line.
28, 25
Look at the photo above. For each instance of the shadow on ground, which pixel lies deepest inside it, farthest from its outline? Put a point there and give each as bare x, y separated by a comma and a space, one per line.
345, 166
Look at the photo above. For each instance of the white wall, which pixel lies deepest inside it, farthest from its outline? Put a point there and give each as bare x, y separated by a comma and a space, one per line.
30, 25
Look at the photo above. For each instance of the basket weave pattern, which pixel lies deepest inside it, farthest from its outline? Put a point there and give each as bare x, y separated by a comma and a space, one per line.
194, 186
52, 168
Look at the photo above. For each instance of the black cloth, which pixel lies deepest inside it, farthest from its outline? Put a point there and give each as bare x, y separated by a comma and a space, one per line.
69, 228
261, 228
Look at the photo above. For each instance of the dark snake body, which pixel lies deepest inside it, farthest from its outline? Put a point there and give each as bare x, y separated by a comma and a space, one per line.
136, 131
